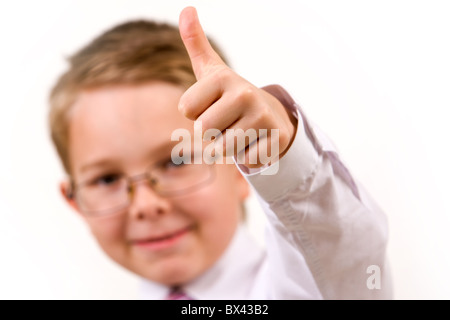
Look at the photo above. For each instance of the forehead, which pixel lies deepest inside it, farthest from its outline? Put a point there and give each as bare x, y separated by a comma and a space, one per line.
124, 121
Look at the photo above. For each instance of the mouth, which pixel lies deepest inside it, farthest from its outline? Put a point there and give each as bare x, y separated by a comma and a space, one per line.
164, 241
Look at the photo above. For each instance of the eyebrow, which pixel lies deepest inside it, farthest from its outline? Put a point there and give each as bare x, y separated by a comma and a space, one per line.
95, 164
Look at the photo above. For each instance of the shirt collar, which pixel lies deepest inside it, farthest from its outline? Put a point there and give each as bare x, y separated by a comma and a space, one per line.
239, 264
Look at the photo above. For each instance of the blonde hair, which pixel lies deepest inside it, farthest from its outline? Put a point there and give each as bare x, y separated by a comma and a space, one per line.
133, 53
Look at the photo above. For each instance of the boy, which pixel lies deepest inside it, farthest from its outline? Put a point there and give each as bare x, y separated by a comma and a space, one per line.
178, 225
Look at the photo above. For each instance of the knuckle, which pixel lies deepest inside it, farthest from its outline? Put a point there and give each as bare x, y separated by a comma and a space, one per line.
263, 114
246, 96
222, 75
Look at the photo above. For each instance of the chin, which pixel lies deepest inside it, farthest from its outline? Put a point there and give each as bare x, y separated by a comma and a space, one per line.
176, 276
172, 272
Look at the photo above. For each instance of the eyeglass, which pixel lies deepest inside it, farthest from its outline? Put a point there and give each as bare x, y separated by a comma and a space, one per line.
112, 193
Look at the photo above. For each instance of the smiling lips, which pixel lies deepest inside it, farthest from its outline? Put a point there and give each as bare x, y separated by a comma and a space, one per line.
162, 242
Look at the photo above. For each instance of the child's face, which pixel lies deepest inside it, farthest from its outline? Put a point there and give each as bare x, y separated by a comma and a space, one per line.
122, 130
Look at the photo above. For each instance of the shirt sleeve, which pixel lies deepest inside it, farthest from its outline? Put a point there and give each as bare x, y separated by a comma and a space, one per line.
319, 215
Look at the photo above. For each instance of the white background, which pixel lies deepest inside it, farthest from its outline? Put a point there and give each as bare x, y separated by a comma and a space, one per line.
374, 75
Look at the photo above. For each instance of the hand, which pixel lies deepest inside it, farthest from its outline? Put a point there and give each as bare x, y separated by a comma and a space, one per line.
223, 100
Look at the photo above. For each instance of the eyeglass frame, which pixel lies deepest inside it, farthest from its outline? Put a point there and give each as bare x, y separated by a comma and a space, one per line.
130, 181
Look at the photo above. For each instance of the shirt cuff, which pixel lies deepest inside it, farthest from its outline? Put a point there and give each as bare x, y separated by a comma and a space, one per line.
296, 168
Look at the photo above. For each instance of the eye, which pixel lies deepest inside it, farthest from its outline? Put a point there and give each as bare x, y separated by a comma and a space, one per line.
169, 164
106, 180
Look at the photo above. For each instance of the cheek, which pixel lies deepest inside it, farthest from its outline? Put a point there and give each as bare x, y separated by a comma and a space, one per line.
215, 208
109, 233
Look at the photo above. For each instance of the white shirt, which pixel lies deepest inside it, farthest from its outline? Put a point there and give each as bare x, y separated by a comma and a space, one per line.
325, 237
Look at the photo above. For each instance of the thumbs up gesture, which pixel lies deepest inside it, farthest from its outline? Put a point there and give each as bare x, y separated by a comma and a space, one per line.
223, 100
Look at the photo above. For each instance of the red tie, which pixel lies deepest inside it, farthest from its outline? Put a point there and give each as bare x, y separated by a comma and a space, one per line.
178, 294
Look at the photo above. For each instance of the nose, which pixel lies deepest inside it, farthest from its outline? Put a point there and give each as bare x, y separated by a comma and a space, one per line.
145, 202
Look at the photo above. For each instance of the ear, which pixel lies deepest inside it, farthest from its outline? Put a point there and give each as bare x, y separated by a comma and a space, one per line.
66, 190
